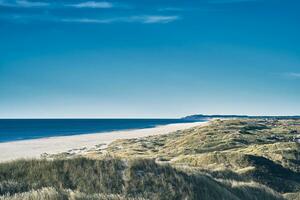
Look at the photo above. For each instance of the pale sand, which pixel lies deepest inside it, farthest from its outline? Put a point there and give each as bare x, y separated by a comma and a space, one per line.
52, 145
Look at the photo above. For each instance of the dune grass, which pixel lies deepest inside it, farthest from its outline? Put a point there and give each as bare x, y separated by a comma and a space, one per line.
245, 159
113, 178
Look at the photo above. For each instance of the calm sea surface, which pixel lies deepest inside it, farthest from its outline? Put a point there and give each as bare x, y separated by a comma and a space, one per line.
21, 129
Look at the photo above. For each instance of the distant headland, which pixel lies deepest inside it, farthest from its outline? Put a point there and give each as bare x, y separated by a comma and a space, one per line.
202, 116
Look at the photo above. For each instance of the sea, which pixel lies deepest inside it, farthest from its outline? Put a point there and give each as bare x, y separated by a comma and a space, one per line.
24, 129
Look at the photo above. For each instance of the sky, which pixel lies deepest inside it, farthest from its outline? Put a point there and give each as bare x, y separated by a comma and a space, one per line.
148, 58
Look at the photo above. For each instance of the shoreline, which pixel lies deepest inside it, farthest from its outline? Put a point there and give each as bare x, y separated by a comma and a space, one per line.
34, 148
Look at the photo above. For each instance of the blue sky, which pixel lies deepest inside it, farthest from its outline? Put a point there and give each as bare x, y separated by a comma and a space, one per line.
149, 58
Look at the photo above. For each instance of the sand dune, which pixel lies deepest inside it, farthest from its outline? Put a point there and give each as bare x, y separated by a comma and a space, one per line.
35, 147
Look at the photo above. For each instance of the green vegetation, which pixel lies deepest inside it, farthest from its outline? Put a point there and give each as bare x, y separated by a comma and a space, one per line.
244, 159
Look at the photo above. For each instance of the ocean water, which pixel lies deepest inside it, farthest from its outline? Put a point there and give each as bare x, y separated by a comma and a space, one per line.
22, 129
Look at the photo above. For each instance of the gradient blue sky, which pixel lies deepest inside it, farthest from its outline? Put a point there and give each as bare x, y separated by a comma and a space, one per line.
149, 58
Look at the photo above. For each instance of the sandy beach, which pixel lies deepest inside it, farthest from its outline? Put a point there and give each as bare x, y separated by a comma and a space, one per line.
52, 145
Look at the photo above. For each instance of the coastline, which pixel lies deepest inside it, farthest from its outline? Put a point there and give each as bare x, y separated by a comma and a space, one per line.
34, 148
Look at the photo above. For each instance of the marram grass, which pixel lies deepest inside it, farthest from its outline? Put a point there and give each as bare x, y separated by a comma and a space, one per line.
231, 159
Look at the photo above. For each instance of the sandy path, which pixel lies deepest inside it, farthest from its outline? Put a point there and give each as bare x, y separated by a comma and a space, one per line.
35, 147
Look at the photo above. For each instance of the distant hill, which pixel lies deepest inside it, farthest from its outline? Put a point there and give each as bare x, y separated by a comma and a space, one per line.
202, 116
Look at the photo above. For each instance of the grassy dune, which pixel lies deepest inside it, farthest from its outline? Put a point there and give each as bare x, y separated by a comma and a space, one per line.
245, 159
